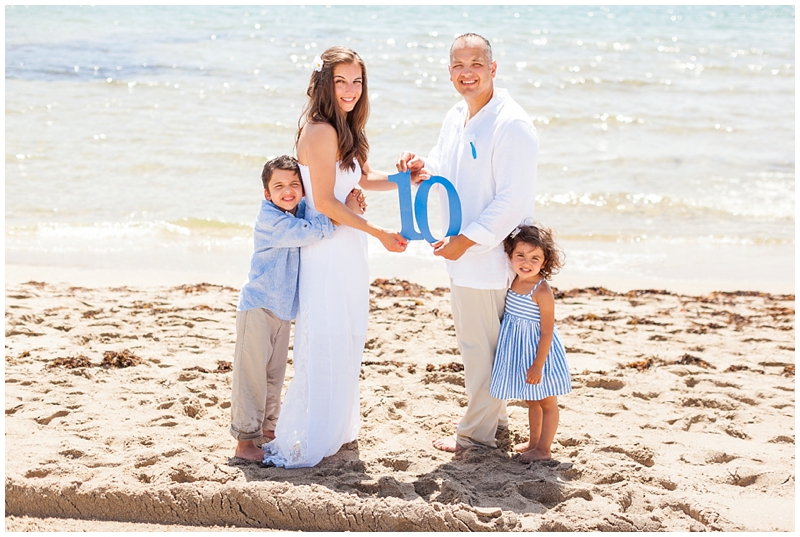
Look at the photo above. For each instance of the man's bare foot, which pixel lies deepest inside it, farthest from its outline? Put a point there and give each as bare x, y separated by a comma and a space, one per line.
523, 447
535, 455
269, 435
447, 443
249, 451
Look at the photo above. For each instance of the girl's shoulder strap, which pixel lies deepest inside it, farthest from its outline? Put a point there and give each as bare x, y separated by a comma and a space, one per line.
535, 287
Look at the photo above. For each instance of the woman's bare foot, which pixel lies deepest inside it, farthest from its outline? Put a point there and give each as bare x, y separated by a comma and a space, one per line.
447, 443
523, 447
269, 435
248, 450
535, 455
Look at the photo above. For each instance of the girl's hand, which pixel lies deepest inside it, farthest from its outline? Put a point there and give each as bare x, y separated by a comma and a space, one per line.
534, 374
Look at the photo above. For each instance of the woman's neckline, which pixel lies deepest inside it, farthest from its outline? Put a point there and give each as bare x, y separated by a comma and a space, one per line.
306, 165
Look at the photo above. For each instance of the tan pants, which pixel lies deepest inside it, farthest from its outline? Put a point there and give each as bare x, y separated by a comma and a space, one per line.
477, 314
259, 366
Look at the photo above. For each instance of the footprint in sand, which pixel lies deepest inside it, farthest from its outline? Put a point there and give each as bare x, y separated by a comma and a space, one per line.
608, 384
39, 472
192, 407
719, 457
425, 487
48, 419
167, 423
732, 430
13, 410
641, 454
396, 464
549, 493
147, 461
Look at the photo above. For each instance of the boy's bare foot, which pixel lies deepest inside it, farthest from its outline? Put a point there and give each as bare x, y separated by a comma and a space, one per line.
523, 447
269, 435
535, 455
249, 451
447, 443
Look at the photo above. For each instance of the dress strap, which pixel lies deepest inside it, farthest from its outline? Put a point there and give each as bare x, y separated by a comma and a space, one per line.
536, 286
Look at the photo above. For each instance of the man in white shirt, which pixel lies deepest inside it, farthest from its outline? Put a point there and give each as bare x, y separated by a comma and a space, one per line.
488, 149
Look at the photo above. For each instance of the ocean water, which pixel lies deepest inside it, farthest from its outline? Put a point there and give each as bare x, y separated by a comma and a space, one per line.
135, 136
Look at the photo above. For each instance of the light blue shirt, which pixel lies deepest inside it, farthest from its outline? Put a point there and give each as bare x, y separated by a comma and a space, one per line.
273, 279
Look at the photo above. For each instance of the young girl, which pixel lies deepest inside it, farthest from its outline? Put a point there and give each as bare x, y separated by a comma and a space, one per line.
530, 363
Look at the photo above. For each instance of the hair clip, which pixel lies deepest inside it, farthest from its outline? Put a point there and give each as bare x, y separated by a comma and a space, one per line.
515, 232
318, 63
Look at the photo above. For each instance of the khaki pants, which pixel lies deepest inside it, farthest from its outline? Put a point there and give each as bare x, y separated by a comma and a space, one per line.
259, 366
477, 314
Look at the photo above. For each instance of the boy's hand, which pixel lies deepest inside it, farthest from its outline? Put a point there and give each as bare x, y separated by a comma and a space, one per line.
356, 201
534, 374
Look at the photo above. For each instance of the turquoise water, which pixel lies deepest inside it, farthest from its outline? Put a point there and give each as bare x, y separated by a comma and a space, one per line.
135, 136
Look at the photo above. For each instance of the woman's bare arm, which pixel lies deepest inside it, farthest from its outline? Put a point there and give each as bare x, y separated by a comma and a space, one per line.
321, 162
372, 179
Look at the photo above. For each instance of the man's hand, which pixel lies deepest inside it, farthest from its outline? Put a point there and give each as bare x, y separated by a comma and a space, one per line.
452, 248
412, 163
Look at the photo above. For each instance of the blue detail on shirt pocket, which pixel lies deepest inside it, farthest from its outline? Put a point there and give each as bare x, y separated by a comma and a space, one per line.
474, 153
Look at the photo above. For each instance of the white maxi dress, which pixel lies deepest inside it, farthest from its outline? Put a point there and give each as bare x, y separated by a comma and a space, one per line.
320, 412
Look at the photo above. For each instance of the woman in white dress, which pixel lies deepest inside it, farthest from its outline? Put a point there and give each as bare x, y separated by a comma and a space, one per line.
321, 409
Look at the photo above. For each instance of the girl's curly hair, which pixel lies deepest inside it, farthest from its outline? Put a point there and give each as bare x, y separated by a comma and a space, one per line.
543, 238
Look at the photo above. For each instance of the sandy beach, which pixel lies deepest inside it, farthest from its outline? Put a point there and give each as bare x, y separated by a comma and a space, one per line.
117, 407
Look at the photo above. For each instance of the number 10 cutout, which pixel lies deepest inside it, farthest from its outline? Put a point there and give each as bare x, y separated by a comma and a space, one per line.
403, 182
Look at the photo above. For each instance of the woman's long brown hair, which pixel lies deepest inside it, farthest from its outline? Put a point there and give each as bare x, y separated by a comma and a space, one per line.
322, 107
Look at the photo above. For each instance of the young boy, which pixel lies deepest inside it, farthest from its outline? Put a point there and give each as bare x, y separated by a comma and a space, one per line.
268, 302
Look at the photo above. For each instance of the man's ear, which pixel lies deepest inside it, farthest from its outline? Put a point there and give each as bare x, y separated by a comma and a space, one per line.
494, 68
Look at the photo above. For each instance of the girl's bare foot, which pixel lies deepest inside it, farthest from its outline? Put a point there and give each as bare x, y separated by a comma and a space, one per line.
535, 455
248, 450
523, 447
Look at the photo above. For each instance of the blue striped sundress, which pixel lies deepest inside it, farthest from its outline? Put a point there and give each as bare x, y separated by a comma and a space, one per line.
516, 350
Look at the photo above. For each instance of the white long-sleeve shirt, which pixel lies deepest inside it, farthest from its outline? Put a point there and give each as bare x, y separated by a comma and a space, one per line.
491, 161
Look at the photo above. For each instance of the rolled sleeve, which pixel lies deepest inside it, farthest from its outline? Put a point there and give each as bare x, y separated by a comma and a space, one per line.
478, 234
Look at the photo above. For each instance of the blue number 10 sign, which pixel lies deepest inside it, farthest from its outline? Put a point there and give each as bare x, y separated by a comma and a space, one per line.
403, 182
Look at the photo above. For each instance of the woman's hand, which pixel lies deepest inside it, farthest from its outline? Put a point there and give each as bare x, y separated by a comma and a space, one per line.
392, 241
534, 374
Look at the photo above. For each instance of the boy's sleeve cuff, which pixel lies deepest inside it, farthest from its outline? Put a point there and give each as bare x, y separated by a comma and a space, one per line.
327, 226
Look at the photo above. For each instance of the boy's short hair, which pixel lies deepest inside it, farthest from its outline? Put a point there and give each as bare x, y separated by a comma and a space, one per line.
284, 162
